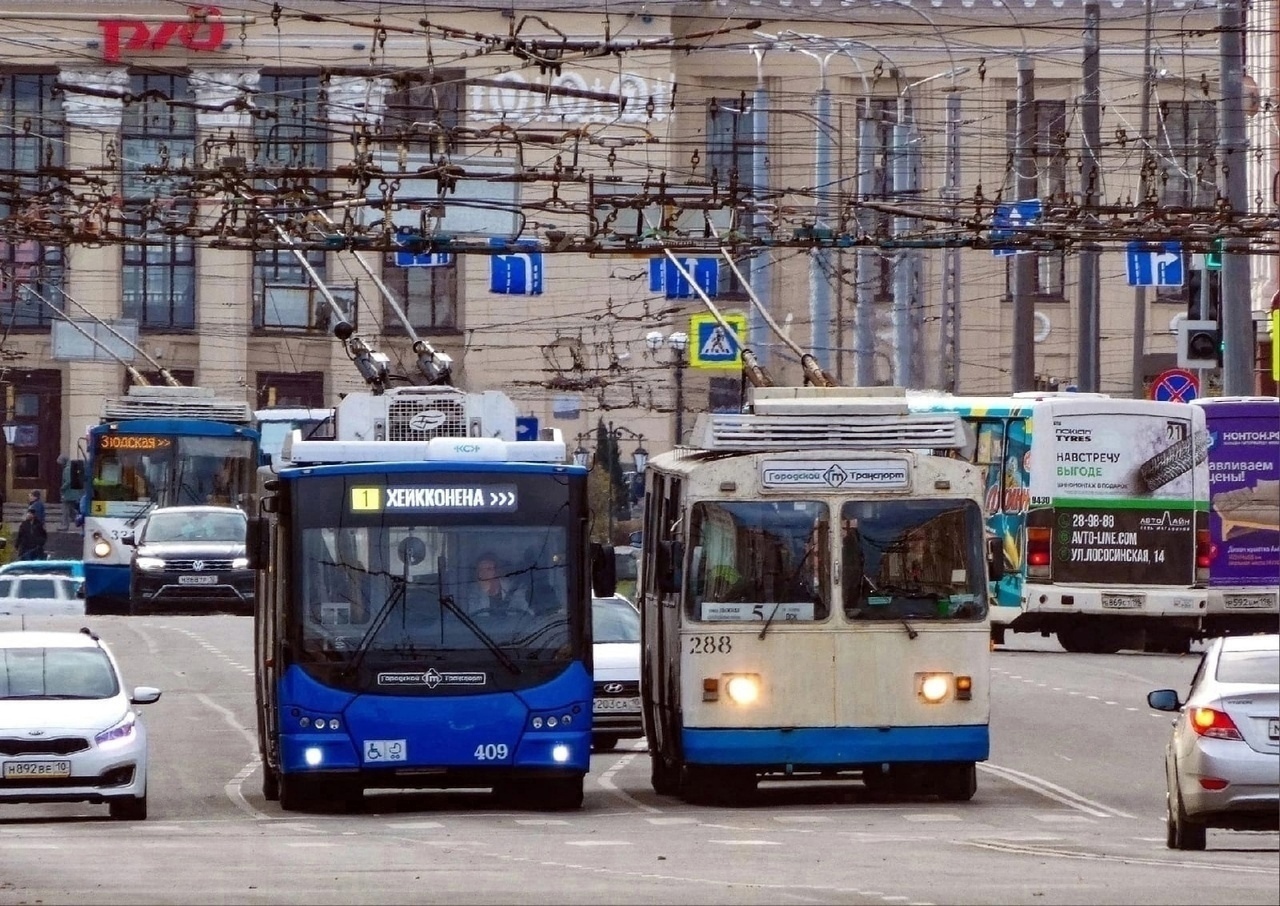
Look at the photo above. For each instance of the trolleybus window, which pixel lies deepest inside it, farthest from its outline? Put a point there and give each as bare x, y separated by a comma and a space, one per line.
920, 559
170, 470
750, 555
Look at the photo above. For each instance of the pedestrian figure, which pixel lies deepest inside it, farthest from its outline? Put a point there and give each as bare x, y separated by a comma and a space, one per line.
31, 537
34, 502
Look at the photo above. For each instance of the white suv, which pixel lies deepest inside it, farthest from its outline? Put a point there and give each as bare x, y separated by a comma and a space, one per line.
68, 730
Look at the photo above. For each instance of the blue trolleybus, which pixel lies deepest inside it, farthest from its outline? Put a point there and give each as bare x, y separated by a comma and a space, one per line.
814, 600
157, 446
423, 614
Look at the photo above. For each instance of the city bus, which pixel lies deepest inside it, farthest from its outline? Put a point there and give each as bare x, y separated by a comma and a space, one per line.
153, 447
1100, 505
1244, 513
814, 600
377, 666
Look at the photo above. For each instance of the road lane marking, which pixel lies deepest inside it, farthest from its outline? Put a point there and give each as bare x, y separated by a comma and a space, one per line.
801, 819
605, 780
933, 816
666, 821
598, 843
746, 842
540, 822
1053, 791
1106, 857
415, 825
234, 786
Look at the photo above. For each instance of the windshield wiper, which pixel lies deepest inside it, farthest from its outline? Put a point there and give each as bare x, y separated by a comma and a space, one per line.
366, 640
446, 601
133, 520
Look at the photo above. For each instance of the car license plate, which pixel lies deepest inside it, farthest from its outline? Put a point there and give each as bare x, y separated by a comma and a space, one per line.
197, 580
379, 750
1249, 602
1273, 728
1122, 602
612, 705
14, 770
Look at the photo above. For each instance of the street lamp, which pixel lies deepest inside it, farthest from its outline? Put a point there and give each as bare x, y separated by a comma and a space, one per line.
677, 342
583, 456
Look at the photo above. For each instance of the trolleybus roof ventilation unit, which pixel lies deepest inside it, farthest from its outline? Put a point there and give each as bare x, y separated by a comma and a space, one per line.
175, 402
797, 418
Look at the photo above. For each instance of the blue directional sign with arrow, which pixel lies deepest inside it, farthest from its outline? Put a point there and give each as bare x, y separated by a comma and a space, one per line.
1154, 264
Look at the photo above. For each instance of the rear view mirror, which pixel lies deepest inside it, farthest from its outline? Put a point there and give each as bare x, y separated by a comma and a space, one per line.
670, 566
1164, 700
257, 543
995, 559
130, 539
604, 571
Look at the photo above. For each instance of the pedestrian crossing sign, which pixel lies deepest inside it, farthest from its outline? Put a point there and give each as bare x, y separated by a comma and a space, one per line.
713, 346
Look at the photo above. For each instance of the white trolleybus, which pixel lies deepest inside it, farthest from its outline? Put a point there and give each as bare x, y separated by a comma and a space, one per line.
814, 600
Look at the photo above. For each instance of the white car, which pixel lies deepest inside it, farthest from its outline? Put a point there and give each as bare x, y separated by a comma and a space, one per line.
68, 730
615, 627
43, 594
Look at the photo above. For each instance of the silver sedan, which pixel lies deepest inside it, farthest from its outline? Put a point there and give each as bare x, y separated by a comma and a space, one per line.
1222, 764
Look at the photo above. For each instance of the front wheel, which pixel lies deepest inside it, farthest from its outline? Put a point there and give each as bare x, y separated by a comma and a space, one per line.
132, 809
270, 783
297, 794
957, 782
663, 777
604, 743
560, 794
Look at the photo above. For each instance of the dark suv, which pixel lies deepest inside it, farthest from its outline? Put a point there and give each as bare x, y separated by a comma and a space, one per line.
191, 559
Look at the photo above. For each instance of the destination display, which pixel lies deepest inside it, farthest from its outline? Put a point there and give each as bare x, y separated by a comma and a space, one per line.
486, 498
133, 442
737, 610
1154, 546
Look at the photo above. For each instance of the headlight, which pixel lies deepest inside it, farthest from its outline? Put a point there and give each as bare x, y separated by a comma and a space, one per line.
933, 687
148, 563
743, 690
121, 732
101, 547
240, 563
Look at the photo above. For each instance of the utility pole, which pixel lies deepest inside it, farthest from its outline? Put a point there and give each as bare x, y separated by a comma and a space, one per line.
1235, 309
820, 256
757, 329
903, 338
1088, 335
1144, 136
1024, 275
950, 352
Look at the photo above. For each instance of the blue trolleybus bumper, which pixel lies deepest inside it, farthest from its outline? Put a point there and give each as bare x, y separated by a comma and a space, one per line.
815, 748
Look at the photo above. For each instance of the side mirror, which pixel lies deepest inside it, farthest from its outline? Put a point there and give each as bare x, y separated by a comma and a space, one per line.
257, 543
4, 542
604, 571
144, 695
1164, 700
995, 559
130, 539
670, 566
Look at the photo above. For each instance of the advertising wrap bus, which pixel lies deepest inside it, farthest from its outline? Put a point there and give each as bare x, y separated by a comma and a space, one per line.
1244, 513
1100, 505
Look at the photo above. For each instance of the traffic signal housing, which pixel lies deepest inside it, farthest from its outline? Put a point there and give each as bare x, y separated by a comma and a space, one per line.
1199, 344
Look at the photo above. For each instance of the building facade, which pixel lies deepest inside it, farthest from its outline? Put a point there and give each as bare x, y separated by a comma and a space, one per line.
181, 178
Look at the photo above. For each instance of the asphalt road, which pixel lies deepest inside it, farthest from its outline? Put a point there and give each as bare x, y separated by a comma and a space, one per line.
1068, 810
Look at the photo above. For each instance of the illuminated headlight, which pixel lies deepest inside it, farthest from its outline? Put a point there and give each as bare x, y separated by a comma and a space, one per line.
147, 562
121, 732
240, 563
101, 547
933, 687
743, 690
313, 756
560, 753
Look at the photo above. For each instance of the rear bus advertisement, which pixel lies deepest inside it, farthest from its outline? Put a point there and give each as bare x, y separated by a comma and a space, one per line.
1244, 513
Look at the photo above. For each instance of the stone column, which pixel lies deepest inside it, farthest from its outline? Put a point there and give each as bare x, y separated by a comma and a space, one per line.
92, 270
224, 277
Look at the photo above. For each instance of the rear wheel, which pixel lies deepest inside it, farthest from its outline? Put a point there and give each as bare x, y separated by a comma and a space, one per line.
132, 809
1180, 831
664, 778
957, 782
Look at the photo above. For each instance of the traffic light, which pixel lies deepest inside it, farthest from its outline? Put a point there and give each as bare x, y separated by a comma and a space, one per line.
1200, 335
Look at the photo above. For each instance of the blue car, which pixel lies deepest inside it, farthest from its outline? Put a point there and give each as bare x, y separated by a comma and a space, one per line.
73, 568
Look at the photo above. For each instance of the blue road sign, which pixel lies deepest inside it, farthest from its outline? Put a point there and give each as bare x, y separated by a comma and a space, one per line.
411, 254
526, 427
1007, 219
665, 277
1154, 264
516, 273
1175, 385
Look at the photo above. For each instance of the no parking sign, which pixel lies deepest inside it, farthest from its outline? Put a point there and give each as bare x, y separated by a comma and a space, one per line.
1175, 385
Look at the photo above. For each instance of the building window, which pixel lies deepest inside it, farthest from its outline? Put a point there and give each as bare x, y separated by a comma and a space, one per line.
32, 143
292, 139
303, 389
420, 123
158, 136
730, 141
724, 394
1049, 152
